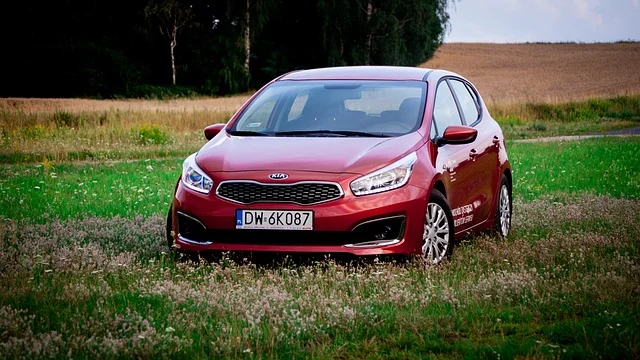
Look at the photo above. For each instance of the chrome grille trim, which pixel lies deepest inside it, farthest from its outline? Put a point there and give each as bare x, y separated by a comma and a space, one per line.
338, 187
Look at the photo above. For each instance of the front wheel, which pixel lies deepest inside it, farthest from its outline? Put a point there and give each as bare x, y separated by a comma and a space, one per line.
503, 209
169, 228
437, 238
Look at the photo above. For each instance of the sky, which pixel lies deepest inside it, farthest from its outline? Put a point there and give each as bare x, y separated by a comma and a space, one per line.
511, 21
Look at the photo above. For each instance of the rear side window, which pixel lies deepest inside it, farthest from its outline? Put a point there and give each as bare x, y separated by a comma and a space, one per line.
445, 111
467, 103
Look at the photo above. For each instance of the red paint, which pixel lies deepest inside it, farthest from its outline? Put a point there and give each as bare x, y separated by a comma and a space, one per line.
459, 135
470, 172
212, 130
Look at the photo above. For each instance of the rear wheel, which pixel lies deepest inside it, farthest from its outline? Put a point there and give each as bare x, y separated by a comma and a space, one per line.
437, 238
502, 223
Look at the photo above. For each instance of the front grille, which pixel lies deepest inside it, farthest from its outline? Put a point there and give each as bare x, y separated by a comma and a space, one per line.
303, 193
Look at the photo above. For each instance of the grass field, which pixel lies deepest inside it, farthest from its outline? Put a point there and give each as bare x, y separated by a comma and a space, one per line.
64, 135
84, 273
130, 188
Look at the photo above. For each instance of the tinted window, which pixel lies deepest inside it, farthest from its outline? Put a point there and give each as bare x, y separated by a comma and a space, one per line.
445, 111
382, 107
467, 102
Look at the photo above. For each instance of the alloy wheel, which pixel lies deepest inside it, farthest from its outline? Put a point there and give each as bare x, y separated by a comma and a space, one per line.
505, 211
435, 239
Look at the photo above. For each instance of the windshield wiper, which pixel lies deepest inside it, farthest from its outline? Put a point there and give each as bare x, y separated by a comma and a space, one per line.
246, 133
330, 133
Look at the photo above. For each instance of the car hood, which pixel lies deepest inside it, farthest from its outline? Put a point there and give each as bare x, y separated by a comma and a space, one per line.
356, 155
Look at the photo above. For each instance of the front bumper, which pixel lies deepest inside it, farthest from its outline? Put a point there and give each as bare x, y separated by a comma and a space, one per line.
338, 224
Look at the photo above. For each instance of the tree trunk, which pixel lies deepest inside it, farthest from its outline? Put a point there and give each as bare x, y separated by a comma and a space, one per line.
367, 54
247, 40
173, 64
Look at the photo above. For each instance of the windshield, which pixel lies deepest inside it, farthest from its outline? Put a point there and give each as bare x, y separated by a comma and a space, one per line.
334, 108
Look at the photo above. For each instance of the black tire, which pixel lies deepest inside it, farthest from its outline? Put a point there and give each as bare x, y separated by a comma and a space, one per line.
169, 229
438, 230
504, 209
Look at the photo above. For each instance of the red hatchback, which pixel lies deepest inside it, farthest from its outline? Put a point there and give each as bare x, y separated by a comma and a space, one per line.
360, 160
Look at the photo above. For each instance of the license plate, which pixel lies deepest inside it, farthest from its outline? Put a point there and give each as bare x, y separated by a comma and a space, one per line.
274, 219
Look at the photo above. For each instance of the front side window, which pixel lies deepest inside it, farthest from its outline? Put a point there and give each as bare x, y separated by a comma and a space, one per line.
467, 103
339, 107
445, 111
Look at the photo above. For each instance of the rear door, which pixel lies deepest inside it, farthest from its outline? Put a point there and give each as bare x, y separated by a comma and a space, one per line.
482, 167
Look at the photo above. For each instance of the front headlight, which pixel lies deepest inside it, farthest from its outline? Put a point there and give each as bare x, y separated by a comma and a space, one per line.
194, 178
388, 178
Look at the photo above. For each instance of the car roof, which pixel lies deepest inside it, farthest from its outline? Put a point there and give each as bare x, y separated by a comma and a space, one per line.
360, 73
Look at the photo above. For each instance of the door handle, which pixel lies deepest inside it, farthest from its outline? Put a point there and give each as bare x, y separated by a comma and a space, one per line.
496, 140
473, 153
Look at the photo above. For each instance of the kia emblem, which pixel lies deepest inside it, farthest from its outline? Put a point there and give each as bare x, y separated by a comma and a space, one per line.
278, 176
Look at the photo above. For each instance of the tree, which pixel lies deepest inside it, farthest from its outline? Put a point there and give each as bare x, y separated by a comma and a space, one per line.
98, 48
247, 38
172, 15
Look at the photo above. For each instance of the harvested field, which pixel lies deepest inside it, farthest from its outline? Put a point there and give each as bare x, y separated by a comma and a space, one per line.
550, 73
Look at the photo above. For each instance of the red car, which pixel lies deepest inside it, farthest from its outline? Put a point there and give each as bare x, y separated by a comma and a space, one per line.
361, 160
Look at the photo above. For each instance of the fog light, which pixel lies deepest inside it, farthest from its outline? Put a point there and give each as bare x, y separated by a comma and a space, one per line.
384, 233
190, 228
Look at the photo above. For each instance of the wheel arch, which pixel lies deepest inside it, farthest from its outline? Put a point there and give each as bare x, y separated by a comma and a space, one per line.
507, 173
439, 185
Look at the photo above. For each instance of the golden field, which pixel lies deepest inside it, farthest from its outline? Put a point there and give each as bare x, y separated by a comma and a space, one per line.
549, 73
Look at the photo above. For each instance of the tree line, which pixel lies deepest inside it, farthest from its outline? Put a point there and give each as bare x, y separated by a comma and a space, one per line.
168, 48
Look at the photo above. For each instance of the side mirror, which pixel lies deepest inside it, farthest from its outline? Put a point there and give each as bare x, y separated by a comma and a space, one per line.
213, 130
455, 134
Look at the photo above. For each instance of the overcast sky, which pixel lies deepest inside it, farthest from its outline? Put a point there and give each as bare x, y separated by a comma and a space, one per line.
544, 20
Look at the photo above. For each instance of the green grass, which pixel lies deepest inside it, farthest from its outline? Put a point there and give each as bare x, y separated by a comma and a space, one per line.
68, 190
85, 273
606, 166
104, 288
534, 120
599, 166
